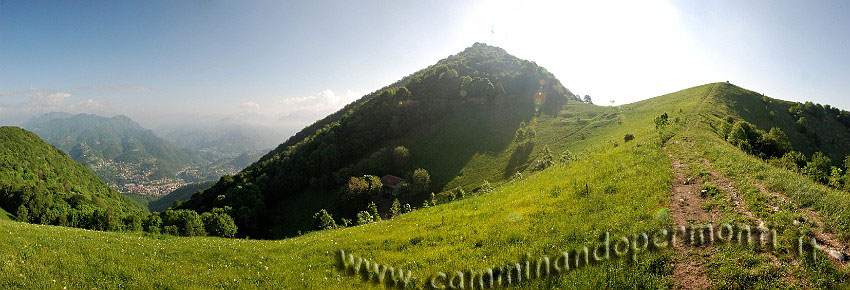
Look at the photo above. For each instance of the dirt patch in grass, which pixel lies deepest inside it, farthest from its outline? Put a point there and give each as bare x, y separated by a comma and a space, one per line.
830, 245
685, 210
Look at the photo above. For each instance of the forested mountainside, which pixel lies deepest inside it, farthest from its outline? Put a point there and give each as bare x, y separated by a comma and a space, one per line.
41, 184
278, 195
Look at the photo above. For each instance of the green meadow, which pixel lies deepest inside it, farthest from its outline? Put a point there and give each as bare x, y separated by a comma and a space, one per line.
604, 184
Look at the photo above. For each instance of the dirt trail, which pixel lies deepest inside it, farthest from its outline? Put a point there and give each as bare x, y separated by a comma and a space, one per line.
725, 184
830, 244
686, 209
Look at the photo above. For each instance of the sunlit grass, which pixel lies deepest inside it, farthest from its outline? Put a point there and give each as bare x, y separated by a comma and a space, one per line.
543, 213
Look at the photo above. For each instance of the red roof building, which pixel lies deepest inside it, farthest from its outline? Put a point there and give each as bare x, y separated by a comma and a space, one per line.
392, 183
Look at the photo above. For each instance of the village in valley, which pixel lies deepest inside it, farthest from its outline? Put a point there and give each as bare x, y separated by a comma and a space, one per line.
136, 179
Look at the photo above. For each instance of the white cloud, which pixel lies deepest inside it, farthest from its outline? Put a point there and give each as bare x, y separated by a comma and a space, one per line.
250, 105
325, 100
44, 98
27, 103
114, 89
91, 104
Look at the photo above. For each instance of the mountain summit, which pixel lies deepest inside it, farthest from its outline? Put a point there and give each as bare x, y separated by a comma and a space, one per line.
482, 92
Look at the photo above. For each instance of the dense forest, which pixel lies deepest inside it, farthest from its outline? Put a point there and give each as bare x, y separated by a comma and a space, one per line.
40, 184
317, 164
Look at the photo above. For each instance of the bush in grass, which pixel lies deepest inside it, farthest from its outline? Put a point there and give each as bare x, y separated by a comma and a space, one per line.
793, 160
23, 214
170, 230
723, 130
459, 192
709, 190
818, 168
836, 177
486, 187
133, 223
395, 209
662, 121
152, 223
752, 140
363, 218
187, 222
324, 220
420, 181
218, 223
775, 143
372, 208
345, 222
743, 135
544, 161
628, 137
524, 133
566, 157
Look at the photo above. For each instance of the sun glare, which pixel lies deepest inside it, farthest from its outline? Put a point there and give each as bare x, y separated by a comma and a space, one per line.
591, 43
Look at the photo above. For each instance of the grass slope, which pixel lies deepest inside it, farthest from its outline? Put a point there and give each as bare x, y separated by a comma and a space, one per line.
822, 133
5, 216
543, 213
539, 214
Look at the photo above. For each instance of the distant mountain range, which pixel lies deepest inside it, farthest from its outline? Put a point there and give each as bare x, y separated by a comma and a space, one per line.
119, 150
223, 138
134, 159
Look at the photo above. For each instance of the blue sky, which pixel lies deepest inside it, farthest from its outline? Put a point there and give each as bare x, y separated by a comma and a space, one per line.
289, 63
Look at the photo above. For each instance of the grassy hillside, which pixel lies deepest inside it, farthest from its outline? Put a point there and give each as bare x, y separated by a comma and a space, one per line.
624, 189
5, 216
538, 214
824, 129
